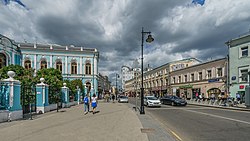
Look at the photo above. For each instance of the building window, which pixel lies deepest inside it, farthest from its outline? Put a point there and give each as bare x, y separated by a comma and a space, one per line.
243, 75
43, 64
59, 65
173, 80
209, 74
200, 75
88, 68
244, 52
219, 72
73, 68
185, 78
192, 77
27, 64
2, 60
179, 79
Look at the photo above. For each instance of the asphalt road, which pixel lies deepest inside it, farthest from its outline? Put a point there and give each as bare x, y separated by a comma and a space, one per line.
195, 123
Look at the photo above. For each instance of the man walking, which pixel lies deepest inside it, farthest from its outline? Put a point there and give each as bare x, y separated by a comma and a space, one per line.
86, 104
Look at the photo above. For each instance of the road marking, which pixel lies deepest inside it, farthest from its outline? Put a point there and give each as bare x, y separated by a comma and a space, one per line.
236, 120
176, 135
180, 108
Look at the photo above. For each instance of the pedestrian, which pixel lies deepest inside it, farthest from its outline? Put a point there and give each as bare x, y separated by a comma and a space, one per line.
113, 98
196, 96
94, 103
238, 97
86, 104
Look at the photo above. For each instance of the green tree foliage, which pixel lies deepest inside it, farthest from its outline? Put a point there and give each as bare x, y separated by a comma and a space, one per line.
72, 85
22, 74
25, 76
54, 79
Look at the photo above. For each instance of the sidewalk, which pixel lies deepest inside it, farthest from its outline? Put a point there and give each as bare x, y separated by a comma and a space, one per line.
113, 122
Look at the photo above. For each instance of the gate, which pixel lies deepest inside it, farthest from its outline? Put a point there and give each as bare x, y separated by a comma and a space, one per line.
4, 97
28, 99
55, 96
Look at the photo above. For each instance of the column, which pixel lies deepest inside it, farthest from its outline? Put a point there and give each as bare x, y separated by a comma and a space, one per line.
35, 62
80, 65
13, 103
42, 97
51, 65
65, 96
66, 65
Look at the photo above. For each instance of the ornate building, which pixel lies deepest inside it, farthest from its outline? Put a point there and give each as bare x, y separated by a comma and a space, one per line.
73, 62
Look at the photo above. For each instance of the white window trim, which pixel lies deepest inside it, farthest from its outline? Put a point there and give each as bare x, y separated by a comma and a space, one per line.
239, 72
240, 51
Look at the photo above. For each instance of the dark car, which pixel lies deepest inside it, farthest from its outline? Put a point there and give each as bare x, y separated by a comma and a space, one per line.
173, 100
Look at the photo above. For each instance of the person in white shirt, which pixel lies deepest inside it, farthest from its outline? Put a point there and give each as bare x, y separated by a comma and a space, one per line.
94, 103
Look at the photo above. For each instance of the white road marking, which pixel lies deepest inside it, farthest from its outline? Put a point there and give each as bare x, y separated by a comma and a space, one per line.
217, 116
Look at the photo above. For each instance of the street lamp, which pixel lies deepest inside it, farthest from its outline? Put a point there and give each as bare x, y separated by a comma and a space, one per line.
116, 76
149, 40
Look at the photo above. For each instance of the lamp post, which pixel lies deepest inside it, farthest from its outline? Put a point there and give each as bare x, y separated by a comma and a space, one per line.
116, 76
149, 39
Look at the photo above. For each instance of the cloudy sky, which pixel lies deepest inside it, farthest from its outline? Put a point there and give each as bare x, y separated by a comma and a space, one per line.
180, 28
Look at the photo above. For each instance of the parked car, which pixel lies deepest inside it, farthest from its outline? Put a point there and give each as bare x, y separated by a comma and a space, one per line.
173, 100
152, 101
123, 98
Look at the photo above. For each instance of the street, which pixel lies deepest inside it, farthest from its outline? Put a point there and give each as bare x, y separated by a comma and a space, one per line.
196, 123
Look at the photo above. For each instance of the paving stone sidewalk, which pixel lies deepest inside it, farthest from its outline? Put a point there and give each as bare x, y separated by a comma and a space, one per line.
113, 122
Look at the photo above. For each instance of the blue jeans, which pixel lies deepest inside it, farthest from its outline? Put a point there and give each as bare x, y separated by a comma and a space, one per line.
86, 107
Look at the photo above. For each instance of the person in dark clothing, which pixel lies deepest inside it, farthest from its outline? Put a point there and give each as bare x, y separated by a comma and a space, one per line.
113, 98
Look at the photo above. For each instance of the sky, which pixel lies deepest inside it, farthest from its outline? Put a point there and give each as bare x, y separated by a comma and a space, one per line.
180, 29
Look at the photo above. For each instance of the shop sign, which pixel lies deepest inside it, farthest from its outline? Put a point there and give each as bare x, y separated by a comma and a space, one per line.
233, 77
186, 86
213, 80
242, 86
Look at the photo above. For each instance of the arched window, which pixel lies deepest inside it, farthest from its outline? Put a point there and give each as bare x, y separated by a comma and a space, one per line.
88, 68
2, 60
27, 64
43, 64
59, 65
73, 68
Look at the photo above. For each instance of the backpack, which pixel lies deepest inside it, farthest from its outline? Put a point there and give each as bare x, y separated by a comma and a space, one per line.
86, 100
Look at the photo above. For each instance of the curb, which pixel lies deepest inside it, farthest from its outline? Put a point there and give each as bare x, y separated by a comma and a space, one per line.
221, 107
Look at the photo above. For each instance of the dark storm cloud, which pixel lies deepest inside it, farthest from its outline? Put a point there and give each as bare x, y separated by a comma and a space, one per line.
180, 29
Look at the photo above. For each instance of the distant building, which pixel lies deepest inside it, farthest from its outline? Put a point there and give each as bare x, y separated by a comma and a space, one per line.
157, 81
104, 85
128, 73
203, 79
239, 65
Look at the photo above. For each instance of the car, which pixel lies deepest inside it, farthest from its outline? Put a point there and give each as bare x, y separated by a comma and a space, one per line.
173, 100
123, 99
151, 101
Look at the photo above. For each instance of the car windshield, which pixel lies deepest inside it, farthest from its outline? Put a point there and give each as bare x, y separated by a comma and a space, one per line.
123, 97
152, 98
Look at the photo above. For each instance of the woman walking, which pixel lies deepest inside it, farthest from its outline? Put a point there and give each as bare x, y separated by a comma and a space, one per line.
94, 103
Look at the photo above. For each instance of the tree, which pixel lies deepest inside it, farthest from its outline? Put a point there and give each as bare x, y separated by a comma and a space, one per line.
72, 85
25, 76
54, 79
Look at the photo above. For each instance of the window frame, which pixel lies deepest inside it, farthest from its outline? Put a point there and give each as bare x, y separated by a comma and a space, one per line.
241, 76
73, 67
29, 64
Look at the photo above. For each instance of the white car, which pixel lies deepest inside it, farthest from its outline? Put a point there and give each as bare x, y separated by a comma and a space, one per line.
152, 101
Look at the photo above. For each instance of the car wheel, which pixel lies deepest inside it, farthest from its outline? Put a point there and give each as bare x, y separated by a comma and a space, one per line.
172, 103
